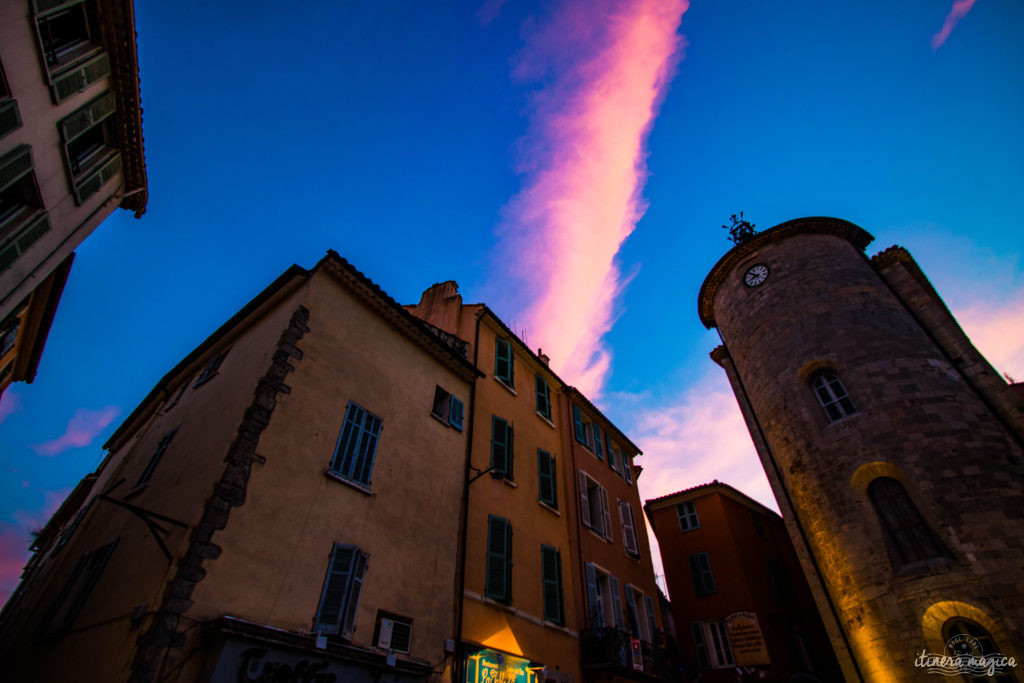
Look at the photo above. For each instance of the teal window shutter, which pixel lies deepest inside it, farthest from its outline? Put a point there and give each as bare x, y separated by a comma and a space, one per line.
593, 604
455, 413
627, 471
598, 448
543, 396
342, 586
652, 624
499, 565
697, 629
547, 486
700, 571
632, 612
551, 572
504, 368
616, 601
577, 424
357, 445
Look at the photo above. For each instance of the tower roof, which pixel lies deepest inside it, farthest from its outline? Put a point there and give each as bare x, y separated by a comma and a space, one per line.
823, 225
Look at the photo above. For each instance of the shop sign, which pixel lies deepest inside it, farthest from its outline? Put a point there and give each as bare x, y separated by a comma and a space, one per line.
748, 647
491, 666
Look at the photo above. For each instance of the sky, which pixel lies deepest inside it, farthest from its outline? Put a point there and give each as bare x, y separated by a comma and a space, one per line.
570, 163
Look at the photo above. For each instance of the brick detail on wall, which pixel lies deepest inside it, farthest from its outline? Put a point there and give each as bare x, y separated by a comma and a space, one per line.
229, 492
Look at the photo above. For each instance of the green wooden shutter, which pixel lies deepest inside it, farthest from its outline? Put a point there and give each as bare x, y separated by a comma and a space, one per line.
503, 365
584, 500
697, 629
577, 424
543, 396
616, 601
546, 478
593, 605
510, 457
499, 546
455, 410
499, 446
695, 575
336, 584
70, 82
14, 165
613, 458
652, 624
632, 612
10, 118
598, 448
627, 471
551, 572
87, 116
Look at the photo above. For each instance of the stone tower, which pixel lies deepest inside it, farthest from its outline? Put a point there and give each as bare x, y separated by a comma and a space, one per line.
894, 449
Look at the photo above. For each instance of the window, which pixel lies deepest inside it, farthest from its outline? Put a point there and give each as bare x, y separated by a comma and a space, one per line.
211, 368
700, 571
908, 538
758, 524
597, 442
551, 573
65, 33
392, 632
832, 397
543, 397
8, 334
357, 445
447, 408
628, 528
697, 629
504, 367
502, 439
340, 596
63, 611
70, 531
594, 506
578, 427
627, 470
977, 643
547, 484
10, 119
604, 604
499, 559
721, 652
22, 221
640, 611
687, 513
154, 460
88, 146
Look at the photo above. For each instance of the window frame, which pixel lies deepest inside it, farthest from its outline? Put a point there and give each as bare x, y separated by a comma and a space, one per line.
396, 620
701, 574
448, 408
503, 354
154, 460
629, 532
692, 519
546, 461
503, 449
587, 515
104, 163
837, 405
358, 424
542, 396
66, 607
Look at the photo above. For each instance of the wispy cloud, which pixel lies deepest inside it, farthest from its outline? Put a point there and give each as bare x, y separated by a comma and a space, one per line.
605, 65
15, 539
956, 13
84, 426
997, 329
10, 403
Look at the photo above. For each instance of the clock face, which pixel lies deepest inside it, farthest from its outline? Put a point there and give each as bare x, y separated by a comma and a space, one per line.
755, 275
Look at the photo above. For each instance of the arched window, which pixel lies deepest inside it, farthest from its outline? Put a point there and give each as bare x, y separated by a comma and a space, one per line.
908, 538
972, 639
832, 396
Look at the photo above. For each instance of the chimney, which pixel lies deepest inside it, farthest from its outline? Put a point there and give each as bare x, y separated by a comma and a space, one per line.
543, 359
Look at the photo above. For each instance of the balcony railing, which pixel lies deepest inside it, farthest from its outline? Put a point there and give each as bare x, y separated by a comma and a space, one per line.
610, 648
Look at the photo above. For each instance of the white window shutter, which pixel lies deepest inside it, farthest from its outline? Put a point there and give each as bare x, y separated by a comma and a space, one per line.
606, 513
384, 640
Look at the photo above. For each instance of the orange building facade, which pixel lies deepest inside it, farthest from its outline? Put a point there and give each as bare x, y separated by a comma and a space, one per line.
739, 598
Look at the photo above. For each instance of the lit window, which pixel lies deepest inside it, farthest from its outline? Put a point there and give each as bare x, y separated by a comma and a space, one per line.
357, 445
687, 513
908, 538
832, 397
340, 596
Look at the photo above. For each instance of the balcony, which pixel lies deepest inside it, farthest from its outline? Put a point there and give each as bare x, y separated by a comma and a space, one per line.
611, 649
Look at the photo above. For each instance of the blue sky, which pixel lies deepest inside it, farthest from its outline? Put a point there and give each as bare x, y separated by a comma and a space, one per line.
415, 139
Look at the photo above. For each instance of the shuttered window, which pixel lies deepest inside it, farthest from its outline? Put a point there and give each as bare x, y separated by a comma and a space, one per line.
598, 445
594, 607
687, 514
62, 612
357, 445
594, 508
551, 571
154, 460
697, 629
547, 484
499, 559
577, 425
907, 536
455, 413
652, 623
447, 408
543, 396
342, 586
504, 368
501, 448
90, 157
628, 528
700, 572
633, 612
211, 368
832, 397
613, 584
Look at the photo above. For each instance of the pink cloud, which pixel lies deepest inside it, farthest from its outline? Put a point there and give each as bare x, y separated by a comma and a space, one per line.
10, 403
15, 539
605, 65
84, 426
956, 13
997, 329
